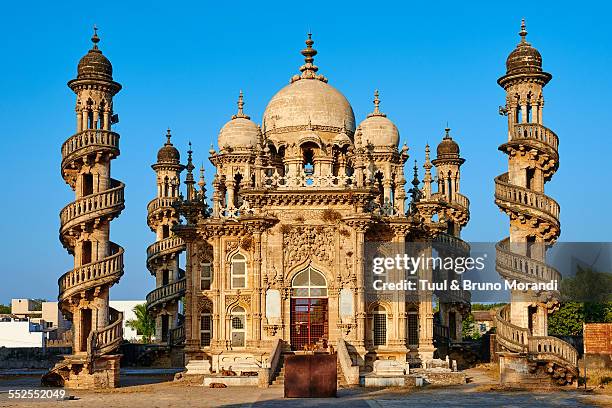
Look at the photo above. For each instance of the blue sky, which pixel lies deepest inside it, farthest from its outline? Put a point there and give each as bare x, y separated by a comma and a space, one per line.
182, 65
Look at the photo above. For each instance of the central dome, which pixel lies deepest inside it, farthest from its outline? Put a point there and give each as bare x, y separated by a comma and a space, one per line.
308, 103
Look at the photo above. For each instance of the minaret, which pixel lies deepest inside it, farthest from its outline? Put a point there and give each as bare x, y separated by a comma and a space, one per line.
85, 228
163, 255
533, 158
448, 164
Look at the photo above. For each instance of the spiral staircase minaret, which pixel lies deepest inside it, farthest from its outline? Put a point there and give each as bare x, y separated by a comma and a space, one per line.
85, 230
163, 254
533, 159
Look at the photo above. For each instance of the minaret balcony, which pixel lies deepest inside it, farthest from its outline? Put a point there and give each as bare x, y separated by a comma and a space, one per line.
171, 246
161, 203
537, 203
91, 275
88, 141
534, 132
513, 265
170, 292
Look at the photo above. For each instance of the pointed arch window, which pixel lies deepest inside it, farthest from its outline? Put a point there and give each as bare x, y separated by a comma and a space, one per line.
309, 283
238, 272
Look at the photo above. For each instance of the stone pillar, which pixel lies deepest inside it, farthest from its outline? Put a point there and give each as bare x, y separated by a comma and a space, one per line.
360, 272
257, 313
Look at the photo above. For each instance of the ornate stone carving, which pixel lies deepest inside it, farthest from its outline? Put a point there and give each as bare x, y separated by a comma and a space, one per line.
301, 243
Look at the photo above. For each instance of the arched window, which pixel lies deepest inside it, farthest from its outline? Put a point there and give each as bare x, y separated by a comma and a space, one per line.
239, 272
309, 283
205, 328
238, 326
205, 275
379, 326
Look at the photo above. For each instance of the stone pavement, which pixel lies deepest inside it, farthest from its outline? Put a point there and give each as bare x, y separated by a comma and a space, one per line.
179, 394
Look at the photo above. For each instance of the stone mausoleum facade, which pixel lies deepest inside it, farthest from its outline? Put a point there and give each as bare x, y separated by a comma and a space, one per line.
279, 257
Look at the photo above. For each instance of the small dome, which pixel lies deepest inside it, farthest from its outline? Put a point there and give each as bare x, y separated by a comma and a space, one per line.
94, 65
377, 129
447, 148
342, 139
240, 131
308, 103
168, 153
524, 58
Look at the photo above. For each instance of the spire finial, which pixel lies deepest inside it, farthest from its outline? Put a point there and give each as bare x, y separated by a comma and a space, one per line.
309, 69
168, 136
240, 113
376, 101
447, 132
202, 182
523, 32
95, 39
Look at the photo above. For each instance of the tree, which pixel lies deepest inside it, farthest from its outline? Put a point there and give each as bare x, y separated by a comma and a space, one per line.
469, 330
5, 309
568, 320
144, 324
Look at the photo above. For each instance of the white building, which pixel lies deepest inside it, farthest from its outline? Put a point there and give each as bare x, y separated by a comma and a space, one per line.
21, 333
50, 318
127, 308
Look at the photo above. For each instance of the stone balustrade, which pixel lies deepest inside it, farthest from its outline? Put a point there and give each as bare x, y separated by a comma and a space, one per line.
167, 292
165, 246
163, 202
511, 336
87, 207
89, 275
534, 131
104, 340
451, 241
176, 335
519, 195
305, 180
547, 348
87, 138
521, 266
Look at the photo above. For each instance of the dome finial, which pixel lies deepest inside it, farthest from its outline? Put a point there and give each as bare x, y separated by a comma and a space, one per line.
240, 113
95, 39
523, 32
309, 69
447, 132
376, 101
168, 136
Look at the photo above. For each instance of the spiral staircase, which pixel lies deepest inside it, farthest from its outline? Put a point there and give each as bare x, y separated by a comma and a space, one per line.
538, 213
81, 287
164, 254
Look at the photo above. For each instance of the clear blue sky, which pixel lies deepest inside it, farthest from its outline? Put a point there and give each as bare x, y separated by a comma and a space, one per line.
183, 65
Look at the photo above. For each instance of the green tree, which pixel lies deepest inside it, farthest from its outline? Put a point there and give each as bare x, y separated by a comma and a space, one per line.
144, 324
469, 329
568, 320
5, 309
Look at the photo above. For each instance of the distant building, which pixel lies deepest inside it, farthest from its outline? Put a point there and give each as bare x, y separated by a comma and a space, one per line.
25, 308
51, 321
483, 320
19, 332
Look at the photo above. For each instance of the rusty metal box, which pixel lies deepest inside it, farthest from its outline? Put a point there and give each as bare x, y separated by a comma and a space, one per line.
311, 376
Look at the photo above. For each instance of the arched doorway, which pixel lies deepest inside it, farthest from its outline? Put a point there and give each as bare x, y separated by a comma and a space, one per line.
309, 322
